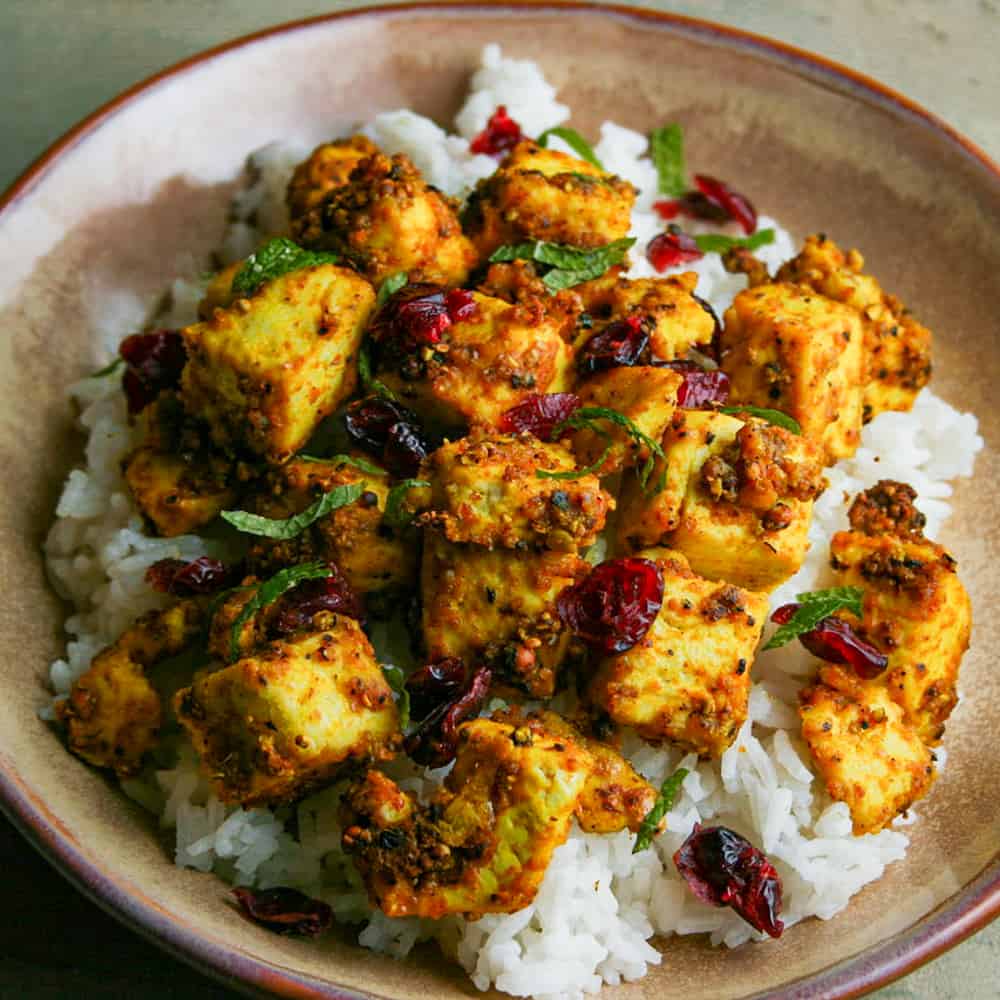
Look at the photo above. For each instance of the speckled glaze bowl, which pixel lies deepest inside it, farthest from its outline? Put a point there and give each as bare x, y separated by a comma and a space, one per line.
125, 199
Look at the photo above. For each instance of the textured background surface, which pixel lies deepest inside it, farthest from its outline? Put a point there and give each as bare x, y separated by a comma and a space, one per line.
59, 60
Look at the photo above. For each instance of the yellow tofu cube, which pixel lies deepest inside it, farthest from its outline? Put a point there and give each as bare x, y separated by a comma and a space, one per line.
688, 680
285, 720
498, 606
787, 348
738, 499
327, 167
486, 490
264, 372
863, 749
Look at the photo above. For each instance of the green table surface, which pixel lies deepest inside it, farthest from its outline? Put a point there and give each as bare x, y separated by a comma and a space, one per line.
60, 59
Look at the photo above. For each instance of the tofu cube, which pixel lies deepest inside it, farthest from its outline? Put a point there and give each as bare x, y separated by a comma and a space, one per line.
863, 749
498, 606
738, 500
787, 348
487, 491
287, 719
687, 681
327, 167
264, 372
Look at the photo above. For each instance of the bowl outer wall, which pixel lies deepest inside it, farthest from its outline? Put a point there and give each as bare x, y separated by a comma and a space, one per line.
112, 210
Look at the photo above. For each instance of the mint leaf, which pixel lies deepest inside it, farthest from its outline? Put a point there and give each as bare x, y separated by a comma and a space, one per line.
569, 265
370, 384
394, 515
668, 793
277, 257
575, 141
718, 243
813, 608
266, 527
396, 679
389, 287
666, 147
578, 473
108, 369
268, 592
771, 416
358, 463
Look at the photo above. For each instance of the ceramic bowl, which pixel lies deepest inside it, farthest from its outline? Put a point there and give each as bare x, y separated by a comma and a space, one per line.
124, 199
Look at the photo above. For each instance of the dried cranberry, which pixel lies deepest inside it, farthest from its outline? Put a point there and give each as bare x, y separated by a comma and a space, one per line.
734, 204
694, 205
184, 579
154, 362
435, 741
389, 431
332, 593
620, 344
835, 641
461, 305
285, 911
725, 869
434, 684
418, 316
615, 605
501, 133
672, 248
540, 414
701, 386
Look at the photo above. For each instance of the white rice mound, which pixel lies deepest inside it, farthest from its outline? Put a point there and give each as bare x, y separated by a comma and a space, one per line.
599, 905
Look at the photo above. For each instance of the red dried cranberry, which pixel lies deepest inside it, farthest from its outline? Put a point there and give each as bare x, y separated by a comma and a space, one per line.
701, 386
725, 869
620, 344
615, 605
285, 911
694, 205
332, 593
434, 684
154, 362
418, 316
435, 741
389, 431
734, 204
461, 304
672, 248
184, 579
405, 448
835, 641
540, 414
501, 133
668, 210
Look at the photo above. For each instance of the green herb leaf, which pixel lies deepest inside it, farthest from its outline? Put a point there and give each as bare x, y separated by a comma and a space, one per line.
666, 147
771, 416
389, 287
267, 527
370, 384
586, 418
668, 792
813, 608
590, 470
575, 141
358, 463
277, 257
394, 515
108, 369
569, 265
397, 681
719, 243
268, 592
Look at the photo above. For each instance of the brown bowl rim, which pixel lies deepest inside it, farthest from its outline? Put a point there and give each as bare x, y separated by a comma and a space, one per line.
953, 921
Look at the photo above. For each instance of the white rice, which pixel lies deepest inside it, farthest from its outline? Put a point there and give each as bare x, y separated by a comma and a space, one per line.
599, 904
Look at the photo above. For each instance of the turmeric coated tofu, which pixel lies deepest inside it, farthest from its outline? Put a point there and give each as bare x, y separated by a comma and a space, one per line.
897, 348
264, 372
737, 502
486, 363
373, 557
688, 680
677, 319
327, 167
915, 609
862, 747
787, 348
387, 220
498, 606
489, 491
647, 396
291, 715
483, 843
113, 713
542, 194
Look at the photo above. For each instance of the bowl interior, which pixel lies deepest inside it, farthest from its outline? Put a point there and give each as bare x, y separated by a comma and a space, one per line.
144, 195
